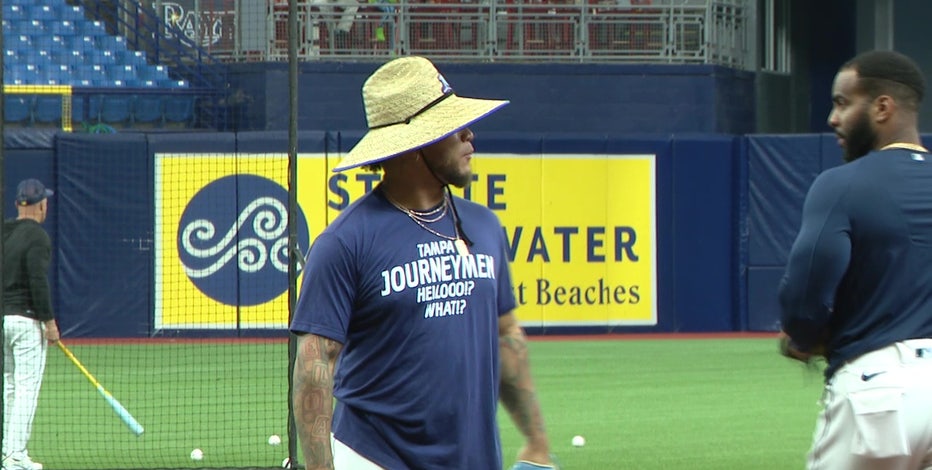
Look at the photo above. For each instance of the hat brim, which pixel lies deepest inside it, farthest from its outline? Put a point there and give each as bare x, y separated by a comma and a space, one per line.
435, 124
35, 200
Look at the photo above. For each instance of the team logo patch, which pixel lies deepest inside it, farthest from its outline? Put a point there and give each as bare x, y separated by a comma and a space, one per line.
233, 239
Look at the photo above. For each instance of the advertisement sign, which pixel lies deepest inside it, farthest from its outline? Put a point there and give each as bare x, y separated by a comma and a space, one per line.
581, 232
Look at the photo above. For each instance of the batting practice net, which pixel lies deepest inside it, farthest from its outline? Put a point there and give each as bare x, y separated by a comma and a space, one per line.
171, 287
171, 273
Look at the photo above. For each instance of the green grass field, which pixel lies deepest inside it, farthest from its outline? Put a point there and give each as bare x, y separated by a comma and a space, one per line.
641, 404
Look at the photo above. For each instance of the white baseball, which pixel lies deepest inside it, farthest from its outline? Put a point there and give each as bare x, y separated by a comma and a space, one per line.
274, 440
197, 454
579, 441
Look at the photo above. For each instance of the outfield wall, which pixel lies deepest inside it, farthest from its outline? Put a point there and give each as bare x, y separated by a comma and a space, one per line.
664, 233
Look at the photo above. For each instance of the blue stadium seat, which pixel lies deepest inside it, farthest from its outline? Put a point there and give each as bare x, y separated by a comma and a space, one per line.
20, 43
147, 109
91, 28
137, 83
111, 43
30, 27
179, 109
121, 72
61, 27
116, 109
47, 42
171, 83
79, 42
130, 57
65, 56
85, 108
96, 74
14, 12
42, 12
152, 72
47, 109
17, 109
72, 13
103, 57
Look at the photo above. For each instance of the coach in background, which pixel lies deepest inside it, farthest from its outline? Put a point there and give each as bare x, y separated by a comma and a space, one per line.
28, 322
858, 284
405, 312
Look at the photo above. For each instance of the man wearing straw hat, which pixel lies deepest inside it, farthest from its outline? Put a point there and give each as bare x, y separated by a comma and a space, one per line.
405, 314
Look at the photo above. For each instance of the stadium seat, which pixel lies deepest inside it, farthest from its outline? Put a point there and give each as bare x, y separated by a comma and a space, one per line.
72, 13
96, 74
61, 27
152, 72
14, 12
130, 57
47, 110
116, 109
42, 12
111, 43
20, 43
121, 72
17, 109
179, 109
85, 108
79, 42
147, 109
91, 28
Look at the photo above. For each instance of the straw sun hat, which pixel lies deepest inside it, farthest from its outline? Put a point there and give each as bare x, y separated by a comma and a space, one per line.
410, 105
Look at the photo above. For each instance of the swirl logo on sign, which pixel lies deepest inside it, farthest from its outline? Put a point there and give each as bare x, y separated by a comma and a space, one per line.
233, 240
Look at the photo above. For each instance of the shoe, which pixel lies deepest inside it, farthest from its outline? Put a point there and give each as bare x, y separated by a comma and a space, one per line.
20, 462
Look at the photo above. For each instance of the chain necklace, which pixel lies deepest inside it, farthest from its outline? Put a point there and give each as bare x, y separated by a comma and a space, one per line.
418, 218
906, 146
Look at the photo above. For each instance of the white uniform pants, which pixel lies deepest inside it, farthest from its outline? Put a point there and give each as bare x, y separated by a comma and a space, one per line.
24, 351
878, 412
345, 458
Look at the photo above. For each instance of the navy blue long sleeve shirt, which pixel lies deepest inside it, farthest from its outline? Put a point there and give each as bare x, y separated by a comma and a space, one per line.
859, 275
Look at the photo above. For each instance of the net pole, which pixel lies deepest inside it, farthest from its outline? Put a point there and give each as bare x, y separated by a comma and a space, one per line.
2, 205
294, 253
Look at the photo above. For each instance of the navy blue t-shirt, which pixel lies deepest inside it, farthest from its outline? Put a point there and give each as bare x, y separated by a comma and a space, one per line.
417, 381
859, 275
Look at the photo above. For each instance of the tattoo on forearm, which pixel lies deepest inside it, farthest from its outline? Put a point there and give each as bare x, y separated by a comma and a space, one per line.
517, 388
313, 398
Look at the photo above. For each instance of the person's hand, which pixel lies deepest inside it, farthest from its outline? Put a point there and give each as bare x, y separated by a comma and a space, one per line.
789, 349
533, 457
51, 331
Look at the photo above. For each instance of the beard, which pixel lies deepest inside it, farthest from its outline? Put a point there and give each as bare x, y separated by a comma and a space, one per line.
448, 171
860, 139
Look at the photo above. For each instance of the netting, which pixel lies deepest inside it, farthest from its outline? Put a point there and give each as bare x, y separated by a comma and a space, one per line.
173, 295
170, 266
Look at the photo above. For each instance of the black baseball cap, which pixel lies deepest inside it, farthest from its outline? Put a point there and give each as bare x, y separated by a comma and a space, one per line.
31, 191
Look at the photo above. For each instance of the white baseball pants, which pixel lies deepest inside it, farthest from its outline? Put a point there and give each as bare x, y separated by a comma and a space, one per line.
24, 352
878, 412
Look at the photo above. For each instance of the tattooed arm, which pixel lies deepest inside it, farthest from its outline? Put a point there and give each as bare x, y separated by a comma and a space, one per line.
517, 390
313, 398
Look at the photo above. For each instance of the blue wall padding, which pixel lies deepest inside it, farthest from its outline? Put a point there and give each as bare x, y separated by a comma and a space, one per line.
780, 172
703, 259
727, 210
104, 197
612, 99
763, 313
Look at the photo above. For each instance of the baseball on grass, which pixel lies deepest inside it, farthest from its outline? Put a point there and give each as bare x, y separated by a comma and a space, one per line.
579, 441
274, 440
197, 454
